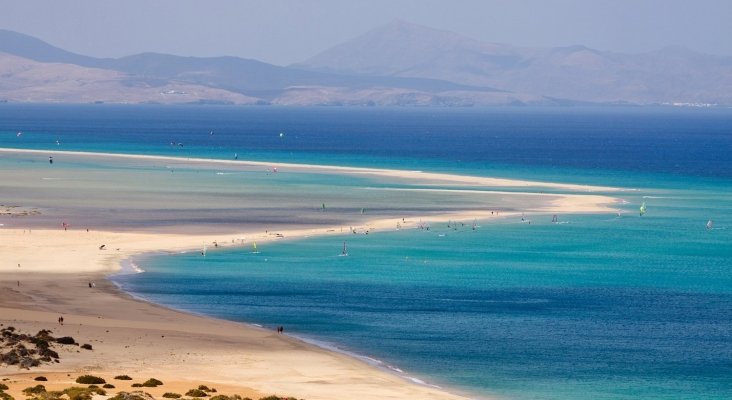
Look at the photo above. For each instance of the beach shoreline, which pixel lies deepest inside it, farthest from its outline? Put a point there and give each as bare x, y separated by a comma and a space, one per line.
434, 177
47, 274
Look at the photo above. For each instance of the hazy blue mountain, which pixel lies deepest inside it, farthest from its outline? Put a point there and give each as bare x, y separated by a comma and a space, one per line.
402, 49
26, 80
252, 79
37, 50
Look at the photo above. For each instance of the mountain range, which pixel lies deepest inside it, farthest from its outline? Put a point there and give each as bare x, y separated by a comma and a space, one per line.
398, 64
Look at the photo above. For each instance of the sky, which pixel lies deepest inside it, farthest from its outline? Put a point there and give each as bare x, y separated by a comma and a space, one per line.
288, 31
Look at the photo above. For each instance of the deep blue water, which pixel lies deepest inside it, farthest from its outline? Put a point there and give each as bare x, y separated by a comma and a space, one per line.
547, 141
596, 307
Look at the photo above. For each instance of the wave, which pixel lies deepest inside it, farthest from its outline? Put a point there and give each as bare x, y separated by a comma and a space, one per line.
369, 360
128, 267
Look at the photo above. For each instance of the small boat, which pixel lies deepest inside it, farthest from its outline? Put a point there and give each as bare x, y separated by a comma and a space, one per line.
643, 209
344, 252
710, 224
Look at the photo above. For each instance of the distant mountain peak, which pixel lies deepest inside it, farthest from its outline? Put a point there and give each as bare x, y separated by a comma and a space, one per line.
397, 46
400, 48
32, 48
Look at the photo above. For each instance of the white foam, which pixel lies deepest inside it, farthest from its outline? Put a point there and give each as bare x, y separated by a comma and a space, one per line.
136, 268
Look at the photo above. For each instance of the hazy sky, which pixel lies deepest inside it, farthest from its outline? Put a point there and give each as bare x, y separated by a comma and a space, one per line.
287, 31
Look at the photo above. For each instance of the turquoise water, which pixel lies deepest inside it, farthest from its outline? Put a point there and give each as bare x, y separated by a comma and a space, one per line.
593, 307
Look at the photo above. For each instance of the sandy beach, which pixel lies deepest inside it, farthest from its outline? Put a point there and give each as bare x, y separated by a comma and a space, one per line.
45, 273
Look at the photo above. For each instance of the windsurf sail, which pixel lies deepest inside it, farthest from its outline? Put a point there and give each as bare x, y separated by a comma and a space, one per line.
710, 224
643, 208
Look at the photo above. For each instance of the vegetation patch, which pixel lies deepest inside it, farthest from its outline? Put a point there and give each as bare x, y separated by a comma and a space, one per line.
169, 395
273, 397
34, 390
40, 379
86, 346
90, 380
131, 396
4, 386
152, 382
66, 340
27, 350
224, 397
83, 393
108, 386
196, 393
206, 389
123, 377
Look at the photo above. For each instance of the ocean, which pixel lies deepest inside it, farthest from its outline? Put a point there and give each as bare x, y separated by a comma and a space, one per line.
594, 306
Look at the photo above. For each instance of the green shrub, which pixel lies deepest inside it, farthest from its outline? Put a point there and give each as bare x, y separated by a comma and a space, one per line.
206, 389
169, 395
34, 390
78, 393
224, 397
89, 379
128, 396
40, 378
196, 393
108, 386
152, 382
137, 385
5, 396
123, 377
86, 346
3, 386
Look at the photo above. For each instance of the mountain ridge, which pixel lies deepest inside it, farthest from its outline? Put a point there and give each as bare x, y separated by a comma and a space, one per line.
670, 74
243, 79
399, 64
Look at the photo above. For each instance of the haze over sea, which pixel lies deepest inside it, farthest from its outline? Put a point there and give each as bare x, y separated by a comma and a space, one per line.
594, 306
